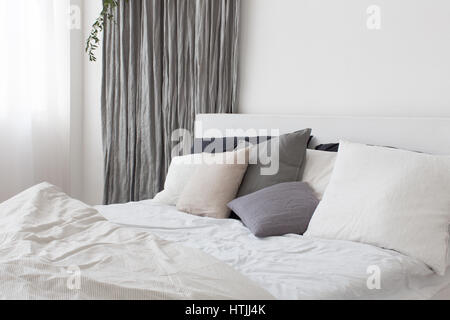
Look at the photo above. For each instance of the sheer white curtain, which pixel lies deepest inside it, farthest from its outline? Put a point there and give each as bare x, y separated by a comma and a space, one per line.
34, 94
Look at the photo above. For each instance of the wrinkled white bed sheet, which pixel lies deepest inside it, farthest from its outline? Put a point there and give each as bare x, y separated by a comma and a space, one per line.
292, 266
54, 247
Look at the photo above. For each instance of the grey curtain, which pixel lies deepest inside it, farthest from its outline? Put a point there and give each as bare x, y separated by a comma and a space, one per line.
164, 61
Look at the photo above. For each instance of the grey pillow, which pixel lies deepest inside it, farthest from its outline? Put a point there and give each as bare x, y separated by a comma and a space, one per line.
277, 210
292, 151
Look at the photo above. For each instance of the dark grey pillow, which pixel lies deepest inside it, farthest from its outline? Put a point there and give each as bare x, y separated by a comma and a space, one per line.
219, 145
278, 210
292, 151
330, 147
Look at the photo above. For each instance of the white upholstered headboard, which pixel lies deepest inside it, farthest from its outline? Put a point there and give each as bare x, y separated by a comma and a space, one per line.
430, 135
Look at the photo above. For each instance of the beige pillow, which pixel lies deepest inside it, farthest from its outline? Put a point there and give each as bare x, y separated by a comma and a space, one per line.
180, 172
213, 185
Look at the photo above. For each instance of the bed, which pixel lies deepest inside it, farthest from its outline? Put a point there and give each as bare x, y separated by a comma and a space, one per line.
192, 257
289, 267
292, 266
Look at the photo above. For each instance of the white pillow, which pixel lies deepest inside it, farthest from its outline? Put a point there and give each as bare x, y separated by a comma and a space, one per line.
319, 166
390, 198
213, 186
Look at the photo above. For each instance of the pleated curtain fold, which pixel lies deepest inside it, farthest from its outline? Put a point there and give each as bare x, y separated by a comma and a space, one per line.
164, 61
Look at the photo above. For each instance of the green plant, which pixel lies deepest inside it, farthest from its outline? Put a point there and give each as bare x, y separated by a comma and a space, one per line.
93, 41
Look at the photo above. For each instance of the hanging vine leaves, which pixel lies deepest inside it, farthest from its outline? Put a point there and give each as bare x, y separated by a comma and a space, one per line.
93, 41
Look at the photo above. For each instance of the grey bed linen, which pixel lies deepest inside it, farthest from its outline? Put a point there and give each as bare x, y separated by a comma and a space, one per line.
278, 210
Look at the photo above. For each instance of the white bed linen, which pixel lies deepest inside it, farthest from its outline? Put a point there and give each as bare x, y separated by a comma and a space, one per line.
48, 241
292, 266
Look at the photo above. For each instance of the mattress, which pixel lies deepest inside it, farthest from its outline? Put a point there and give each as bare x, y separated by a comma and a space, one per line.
292, 266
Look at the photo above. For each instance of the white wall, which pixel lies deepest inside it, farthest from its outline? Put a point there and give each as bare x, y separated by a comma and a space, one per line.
319, 57
76, 109
92, 132
314, 57
86, 137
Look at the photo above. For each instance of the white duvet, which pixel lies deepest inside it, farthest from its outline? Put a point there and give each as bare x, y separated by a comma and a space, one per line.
289, 267
54, 247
